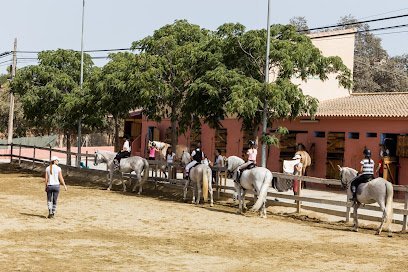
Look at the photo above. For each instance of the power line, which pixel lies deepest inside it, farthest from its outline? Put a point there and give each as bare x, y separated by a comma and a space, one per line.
86, 51
5, 61
360, 31
387, 12
358, 22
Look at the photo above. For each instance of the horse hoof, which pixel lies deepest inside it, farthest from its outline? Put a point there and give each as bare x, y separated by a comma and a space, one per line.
211, 205
389, 235
108, 189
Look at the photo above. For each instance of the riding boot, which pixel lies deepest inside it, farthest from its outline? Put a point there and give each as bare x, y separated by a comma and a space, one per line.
354, 192
116, 164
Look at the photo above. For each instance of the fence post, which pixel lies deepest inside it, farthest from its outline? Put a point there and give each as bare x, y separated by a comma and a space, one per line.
404, 222
86, 159
19, 155
298, 202
11, 152
33, 158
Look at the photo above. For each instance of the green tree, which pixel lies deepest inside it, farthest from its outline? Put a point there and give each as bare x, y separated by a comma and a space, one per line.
20, 124
50, 94
117, 88
171, 60
292, 55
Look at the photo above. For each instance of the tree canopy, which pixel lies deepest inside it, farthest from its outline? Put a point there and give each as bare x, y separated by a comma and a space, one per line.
292, 55
175, 56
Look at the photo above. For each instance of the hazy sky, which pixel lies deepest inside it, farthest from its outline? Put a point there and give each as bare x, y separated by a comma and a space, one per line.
51, 24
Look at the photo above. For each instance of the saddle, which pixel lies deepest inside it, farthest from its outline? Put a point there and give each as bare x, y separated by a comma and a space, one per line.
248, 167
196, 164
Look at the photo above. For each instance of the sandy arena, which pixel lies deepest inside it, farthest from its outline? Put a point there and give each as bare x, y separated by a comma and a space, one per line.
97, 230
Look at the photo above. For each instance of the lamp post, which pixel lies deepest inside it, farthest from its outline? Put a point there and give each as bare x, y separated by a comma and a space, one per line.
81, 81
265, 108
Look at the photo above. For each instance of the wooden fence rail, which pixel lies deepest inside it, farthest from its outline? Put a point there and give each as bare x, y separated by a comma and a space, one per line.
171, 180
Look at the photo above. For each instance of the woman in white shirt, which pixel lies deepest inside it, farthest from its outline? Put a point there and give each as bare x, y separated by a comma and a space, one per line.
53, 178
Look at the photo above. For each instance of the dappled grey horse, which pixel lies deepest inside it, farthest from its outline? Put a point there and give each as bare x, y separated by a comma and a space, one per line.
258, 179
127, 165
201, 177
377, 190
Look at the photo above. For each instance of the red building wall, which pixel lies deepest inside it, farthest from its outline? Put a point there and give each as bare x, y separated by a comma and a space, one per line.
352, 150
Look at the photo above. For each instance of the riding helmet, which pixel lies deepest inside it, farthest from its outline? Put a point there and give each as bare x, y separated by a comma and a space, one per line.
367, 152
251, 143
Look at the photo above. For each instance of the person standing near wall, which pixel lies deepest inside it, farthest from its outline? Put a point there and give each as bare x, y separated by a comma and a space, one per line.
53, 179
297, 171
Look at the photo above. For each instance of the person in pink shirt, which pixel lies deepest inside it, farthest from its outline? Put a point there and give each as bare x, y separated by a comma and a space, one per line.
152, 151
252, 152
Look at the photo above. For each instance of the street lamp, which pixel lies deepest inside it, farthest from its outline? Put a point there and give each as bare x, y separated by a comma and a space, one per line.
81, 81
265, 108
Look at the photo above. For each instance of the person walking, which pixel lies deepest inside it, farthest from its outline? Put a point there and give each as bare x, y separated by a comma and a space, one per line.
53, 179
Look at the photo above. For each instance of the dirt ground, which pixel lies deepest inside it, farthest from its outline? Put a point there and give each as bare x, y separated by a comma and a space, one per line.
97, 230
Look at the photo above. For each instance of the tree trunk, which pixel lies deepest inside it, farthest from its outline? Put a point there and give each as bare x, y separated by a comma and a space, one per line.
117, 147
68, 136
174, 136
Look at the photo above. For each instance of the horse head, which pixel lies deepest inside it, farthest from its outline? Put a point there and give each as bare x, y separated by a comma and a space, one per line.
347, 174
232, 163
185, 158
96, 158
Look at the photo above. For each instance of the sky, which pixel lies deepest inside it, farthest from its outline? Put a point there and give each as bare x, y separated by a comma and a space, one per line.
51, 24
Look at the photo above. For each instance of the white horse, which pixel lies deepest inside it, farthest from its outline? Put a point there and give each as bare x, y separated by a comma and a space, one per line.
258, 179
127, 165
377, 190
201, 177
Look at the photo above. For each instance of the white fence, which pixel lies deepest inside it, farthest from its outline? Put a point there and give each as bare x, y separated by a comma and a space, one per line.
172, 181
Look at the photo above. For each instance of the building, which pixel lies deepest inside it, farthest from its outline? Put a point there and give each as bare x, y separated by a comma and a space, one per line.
344, 124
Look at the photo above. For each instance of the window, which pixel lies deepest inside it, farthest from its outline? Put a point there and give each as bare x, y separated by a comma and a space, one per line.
353, 135
320, 134
371, 135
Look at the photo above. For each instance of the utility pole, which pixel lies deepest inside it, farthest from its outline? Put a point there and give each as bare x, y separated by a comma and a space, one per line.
81, 83
265, 109
11, 109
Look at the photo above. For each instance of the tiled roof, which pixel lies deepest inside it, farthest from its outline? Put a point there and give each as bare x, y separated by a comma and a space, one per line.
366, 105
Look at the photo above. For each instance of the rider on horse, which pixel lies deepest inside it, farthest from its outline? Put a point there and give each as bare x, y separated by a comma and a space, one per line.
367, 173
124, 153
198, 156
251, 163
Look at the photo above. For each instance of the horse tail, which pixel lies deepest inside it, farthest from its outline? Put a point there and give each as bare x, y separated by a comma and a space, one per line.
205, 185
263, 192
145, 170
388, 203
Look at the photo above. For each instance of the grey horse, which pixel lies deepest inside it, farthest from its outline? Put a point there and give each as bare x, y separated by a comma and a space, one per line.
127, 165
258, 179
377, 190
201, 177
